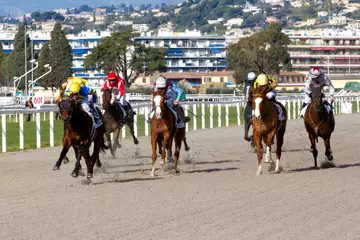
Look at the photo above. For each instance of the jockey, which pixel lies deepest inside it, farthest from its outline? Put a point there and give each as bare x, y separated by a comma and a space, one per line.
249, 82
114, 81
180, 92
80, 94
271, 84
316, 78
162, 83
67, 84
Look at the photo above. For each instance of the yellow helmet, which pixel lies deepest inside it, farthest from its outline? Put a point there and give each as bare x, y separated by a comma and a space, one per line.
262, 80
74, 88
77, 80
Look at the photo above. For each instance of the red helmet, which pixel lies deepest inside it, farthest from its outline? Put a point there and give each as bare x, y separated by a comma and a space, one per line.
111, 76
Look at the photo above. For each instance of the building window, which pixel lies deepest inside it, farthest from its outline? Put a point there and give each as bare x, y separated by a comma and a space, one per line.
144, 80
207, 79
221, 79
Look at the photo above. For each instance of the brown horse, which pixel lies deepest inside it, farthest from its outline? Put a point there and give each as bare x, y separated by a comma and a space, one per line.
163, 127
114, 120
266, 125
79, 133
319, 123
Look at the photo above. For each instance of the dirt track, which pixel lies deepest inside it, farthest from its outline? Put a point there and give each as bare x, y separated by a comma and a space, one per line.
216, 196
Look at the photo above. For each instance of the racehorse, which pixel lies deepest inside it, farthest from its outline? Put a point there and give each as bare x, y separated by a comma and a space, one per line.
266, 126
163, 127
319, 123
114, 120
80, 132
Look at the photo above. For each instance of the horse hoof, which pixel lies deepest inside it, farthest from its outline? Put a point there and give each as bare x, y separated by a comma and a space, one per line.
89, 176
98, 164
55, 168
247, 139
330, 158
259, 172
152, 174
187, 149
81, 173
74, 174
136, 142
66, 160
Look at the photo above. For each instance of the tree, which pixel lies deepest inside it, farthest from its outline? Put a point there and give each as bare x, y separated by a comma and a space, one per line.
3, 59
263, 52
120, 53
44, 58
15, 66
61, 57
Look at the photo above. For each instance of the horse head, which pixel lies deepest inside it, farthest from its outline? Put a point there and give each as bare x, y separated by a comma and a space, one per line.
108, 97
66, 106
258, 101
316, 98
159, 103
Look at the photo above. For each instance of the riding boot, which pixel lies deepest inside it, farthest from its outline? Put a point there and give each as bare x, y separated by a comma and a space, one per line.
150, 117
96, 116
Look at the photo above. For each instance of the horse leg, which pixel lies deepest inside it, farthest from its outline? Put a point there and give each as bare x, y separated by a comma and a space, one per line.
154, 142
89, 163
247, 127
259, 151
268, 141
279, 143
187, 148
116, 143
178, 141
313, 148
108, 141
159, 142
328, 152
165, 144
64, 151
130, 124
75, 173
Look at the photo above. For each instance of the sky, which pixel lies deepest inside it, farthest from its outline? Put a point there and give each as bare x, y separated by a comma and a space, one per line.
26, 6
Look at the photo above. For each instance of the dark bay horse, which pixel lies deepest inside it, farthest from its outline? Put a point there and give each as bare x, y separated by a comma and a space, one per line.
266, 125
114, 120
79, 133
319, 123
163, 127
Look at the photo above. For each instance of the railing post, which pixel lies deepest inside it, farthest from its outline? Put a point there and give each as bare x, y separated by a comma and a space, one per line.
357, 104
187, 114
195, 120
136, 122
219, 115
238, 113
123, 132
16, 118
211, 115
289, 109
51, 118
227, 115
294, 108
146, 117
3, 127
38, 132
21, 132
203, 115
44, 116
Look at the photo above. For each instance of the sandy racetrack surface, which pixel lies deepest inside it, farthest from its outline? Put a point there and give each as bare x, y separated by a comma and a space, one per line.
216, 195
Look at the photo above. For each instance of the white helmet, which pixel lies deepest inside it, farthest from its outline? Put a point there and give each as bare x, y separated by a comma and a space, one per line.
251, 76
160, 82
314, 72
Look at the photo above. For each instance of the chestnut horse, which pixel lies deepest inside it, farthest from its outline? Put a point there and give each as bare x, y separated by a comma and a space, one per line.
79, 133
114, 120
319, 123
266, 126
163, 128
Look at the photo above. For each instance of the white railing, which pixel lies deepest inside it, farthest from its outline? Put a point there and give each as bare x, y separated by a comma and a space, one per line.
229, 112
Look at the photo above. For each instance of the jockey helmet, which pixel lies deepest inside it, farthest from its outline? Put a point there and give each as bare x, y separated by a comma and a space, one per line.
161, 82
74, 88
111, 76
251, 76
314, 72
262, 80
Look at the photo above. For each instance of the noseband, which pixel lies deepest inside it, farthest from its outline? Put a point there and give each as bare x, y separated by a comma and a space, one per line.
66, 105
